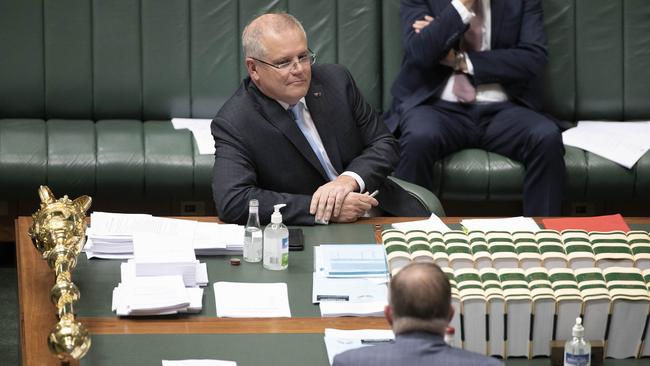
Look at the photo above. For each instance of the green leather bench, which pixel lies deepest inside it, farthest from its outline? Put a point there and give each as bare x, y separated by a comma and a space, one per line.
87, 89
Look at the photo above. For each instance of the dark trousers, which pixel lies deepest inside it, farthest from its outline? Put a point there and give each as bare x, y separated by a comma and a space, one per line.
428, 133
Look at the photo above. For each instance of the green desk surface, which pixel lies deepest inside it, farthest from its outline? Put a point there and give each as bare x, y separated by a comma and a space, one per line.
96, 278
245, 349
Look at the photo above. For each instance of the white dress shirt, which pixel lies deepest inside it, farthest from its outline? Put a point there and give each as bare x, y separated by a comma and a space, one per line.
311, 128
485, 93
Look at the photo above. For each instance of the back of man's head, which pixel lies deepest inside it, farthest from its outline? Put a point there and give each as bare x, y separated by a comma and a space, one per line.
420, 298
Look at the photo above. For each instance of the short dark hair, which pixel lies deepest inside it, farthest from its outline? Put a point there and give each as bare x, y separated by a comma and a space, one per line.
420, 291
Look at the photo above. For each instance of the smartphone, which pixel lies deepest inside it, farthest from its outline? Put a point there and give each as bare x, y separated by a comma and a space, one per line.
296, 239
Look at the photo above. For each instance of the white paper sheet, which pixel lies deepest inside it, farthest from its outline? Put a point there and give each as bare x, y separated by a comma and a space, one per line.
200, 129
348, 289
509, 224
433, 223
338, 341
251, 300
621, 142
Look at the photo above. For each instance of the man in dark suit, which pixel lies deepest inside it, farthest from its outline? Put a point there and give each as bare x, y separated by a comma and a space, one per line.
302, 135
470, 77
419, 311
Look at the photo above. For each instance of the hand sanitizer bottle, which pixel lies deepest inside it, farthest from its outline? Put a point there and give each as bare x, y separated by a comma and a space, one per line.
253, 234
276, 242
577, 351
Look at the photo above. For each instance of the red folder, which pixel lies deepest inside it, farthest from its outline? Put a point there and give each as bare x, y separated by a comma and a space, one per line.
594, 223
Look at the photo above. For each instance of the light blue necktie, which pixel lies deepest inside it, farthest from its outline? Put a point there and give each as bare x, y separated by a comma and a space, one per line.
296, 111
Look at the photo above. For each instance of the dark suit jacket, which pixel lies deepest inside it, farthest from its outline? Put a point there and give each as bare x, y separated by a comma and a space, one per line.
261, 153
516, 60
413, 349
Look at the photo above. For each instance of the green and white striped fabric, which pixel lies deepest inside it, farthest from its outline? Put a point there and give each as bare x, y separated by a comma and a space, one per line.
564, 284
551, 248
578, 248
639, 242
591, 283
469, 284
611, 246
479, 247
539, 284
527, 249
626, 283
514, 284
458, 250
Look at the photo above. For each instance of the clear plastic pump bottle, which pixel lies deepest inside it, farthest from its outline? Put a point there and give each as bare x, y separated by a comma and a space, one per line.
577, 351
253, 234
276, 242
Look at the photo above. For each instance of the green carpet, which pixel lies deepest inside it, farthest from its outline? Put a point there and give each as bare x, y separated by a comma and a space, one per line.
9, 337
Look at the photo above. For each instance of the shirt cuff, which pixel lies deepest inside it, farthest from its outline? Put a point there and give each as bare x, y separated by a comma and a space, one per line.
465, 14
469, 64
362, 185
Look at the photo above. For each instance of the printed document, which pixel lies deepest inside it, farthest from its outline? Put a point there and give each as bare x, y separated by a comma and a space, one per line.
433, 223
337, 341
621, 142
251, 300
200, 129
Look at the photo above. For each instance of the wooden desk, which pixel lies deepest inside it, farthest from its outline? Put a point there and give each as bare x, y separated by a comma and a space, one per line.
37, 314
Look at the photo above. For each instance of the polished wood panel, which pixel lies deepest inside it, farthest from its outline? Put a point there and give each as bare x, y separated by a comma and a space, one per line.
209, 325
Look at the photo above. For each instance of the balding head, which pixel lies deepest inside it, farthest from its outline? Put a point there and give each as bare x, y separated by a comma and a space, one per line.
264, 26
420, 299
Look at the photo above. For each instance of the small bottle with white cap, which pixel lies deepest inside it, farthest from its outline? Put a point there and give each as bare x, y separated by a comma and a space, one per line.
276, 242
577, 351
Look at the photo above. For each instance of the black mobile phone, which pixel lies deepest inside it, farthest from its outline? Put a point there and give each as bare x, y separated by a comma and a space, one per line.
296, 240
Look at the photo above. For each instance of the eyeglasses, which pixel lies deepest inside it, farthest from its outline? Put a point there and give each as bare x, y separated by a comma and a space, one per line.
309, 58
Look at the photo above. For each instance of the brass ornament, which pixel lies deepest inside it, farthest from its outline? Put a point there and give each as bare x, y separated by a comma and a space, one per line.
58, 232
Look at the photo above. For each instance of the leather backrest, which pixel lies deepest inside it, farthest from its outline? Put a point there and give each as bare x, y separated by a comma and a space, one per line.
156, 59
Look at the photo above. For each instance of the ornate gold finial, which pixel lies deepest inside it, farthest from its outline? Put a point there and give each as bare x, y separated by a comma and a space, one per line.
58, 232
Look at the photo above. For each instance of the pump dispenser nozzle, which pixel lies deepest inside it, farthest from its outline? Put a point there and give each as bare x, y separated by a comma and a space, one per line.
276, 217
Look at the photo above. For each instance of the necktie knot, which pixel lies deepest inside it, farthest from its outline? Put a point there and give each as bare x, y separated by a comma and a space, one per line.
296, 111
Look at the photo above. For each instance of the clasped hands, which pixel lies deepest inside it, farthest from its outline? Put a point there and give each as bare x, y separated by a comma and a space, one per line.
337, 201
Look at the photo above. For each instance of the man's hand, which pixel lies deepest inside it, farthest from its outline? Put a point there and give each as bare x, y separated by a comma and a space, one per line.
327, 201
418, 25
450, 59
355, 205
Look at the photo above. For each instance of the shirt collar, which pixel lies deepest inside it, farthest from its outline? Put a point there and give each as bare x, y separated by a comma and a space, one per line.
286, 105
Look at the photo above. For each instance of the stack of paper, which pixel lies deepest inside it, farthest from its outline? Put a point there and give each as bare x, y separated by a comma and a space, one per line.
110, 235
251, 300
160, 295
338, 341
163, 278
211, 238
158, 255
350, 280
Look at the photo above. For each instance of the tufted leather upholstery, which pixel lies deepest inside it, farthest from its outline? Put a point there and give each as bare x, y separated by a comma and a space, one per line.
87, 89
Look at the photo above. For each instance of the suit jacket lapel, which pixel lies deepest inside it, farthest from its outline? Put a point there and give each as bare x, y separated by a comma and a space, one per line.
317, 103
279, 117
496, 8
